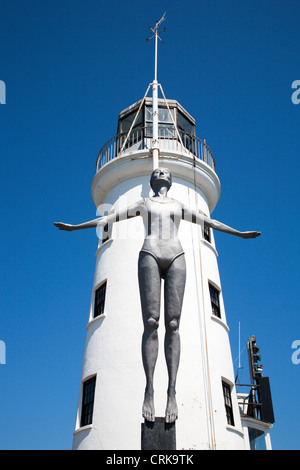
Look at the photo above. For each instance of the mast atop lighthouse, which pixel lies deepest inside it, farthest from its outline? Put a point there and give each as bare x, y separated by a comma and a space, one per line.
155, 143
156, 35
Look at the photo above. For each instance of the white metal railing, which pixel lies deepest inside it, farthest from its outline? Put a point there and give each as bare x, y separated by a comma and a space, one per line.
140, 138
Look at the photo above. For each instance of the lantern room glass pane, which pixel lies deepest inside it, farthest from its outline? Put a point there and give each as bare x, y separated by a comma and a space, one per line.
166, 128
257, 439
184, 124
163, 115
127, 121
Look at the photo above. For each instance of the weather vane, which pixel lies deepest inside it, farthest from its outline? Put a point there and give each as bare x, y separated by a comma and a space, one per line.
156, 35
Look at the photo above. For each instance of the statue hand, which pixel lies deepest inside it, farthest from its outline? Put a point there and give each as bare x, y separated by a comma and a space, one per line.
250, 234
102, 221
63, 226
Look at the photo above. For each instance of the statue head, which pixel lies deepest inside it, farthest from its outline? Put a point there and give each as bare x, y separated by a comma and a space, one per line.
159, 176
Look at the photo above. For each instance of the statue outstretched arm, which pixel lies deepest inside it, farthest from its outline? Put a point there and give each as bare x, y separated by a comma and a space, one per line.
123, 214
99, 222
215, 224
198, 217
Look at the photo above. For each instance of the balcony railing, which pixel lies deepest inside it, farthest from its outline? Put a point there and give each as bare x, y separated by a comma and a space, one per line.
141, 139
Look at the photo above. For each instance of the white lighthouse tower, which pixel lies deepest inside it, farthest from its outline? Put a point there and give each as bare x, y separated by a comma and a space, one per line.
156, 132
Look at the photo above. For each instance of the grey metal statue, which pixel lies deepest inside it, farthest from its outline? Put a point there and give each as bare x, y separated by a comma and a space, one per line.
161, 257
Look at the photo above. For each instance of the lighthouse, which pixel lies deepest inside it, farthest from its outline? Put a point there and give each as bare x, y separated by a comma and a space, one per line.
158, 133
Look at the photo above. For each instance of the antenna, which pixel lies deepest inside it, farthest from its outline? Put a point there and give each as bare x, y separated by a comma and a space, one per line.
155, 142
156, 35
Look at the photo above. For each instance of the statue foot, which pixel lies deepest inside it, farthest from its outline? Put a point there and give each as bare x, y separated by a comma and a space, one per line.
171, 409
148, 407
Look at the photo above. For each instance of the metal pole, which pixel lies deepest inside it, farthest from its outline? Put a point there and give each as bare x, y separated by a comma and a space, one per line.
155, 143
155, 57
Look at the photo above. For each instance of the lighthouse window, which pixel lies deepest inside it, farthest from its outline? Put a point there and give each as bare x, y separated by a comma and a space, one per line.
164, 115
124, 126
215, 300
127, 121
187, 131
257, 439
185, 125
206, 233
165, 123
106, 233
100, 300
228, 403
88, 395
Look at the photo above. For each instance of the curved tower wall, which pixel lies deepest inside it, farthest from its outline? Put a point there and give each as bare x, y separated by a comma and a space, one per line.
113, 340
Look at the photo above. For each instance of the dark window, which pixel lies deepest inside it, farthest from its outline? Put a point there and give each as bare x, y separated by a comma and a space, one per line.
105, 233
184, 125
187, 132
100, 300
125, 124
215, 300
206, 233
106, 230
88, 395
228, 403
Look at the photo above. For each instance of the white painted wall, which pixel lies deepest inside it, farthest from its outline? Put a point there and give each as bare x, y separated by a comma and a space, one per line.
113, 342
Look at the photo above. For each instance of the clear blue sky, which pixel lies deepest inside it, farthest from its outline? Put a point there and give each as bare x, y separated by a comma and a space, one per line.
69, 68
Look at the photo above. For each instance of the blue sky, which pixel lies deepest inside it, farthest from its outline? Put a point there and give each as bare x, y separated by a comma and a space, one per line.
70, 67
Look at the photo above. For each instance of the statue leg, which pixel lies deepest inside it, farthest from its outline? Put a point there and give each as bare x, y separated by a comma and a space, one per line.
174, 291
150, 286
